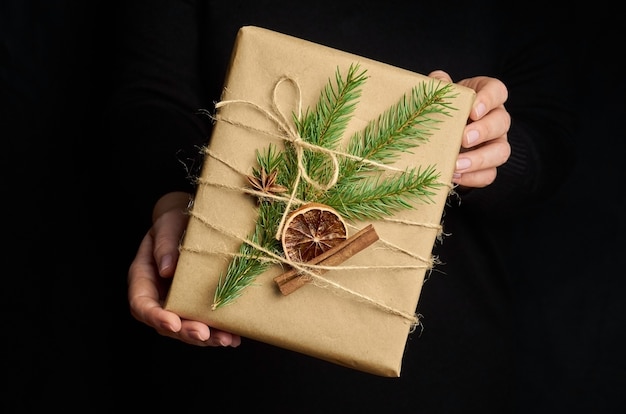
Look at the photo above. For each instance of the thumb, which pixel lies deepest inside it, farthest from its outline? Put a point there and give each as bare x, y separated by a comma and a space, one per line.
170, 221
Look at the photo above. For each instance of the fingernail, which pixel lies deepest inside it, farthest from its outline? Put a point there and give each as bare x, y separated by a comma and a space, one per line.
197, 335
472, 136
480, 110
463, 163
166, 262
167, 327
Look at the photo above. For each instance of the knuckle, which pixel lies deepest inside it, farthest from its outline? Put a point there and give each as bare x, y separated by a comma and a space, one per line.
503, 91
440, 74
506, 119
504, 151
490, 176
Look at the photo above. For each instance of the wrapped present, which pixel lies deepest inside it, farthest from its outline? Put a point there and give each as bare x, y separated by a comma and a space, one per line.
319, 201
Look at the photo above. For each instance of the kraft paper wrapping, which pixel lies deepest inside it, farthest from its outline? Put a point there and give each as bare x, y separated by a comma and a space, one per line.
365, 323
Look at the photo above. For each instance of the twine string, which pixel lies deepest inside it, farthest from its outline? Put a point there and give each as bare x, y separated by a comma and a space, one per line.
308, 269
289, 133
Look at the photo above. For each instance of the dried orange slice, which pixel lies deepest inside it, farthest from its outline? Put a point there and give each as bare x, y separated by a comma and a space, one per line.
311, 230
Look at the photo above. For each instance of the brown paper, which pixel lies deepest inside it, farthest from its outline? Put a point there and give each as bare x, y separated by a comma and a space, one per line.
365, 323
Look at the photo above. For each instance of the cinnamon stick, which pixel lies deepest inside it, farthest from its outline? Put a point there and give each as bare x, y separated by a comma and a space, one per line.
293, 279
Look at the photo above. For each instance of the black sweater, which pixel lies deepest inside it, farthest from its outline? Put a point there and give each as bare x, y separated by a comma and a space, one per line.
170, 59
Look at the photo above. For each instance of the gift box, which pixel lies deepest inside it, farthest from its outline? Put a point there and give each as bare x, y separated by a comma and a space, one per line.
350, 297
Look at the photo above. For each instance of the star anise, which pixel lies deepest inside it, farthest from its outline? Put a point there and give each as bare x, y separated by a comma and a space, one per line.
266, 183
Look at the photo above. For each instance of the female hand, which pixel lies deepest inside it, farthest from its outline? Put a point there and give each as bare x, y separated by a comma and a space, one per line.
485, 145
150, 274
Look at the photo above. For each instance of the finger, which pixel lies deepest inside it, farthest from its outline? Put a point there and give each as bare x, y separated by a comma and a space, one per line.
146, 309
476, 179
167, 232
493, 125
491, 93
440, 74
143, 292
477, 167
197, 333
492, 154
145, 305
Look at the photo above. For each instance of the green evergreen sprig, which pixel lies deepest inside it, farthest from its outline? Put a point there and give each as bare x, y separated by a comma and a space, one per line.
363, 190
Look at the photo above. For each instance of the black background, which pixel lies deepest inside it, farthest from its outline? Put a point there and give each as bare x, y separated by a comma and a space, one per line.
65, 316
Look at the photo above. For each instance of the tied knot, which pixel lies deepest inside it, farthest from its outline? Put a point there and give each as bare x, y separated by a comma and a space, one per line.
291, 135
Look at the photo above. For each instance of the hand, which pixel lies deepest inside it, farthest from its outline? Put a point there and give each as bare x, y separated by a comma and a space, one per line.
150, 275
485, 145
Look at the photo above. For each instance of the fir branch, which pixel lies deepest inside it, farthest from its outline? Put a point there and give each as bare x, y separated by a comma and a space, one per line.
402, 127
359, 194
267, 224
325, 126
271, 159
377, 197
241, 272
250, 262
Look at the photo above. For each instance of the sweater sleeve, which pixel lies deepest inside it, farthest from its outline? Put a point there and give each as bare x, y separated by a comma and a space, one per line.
541, 73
